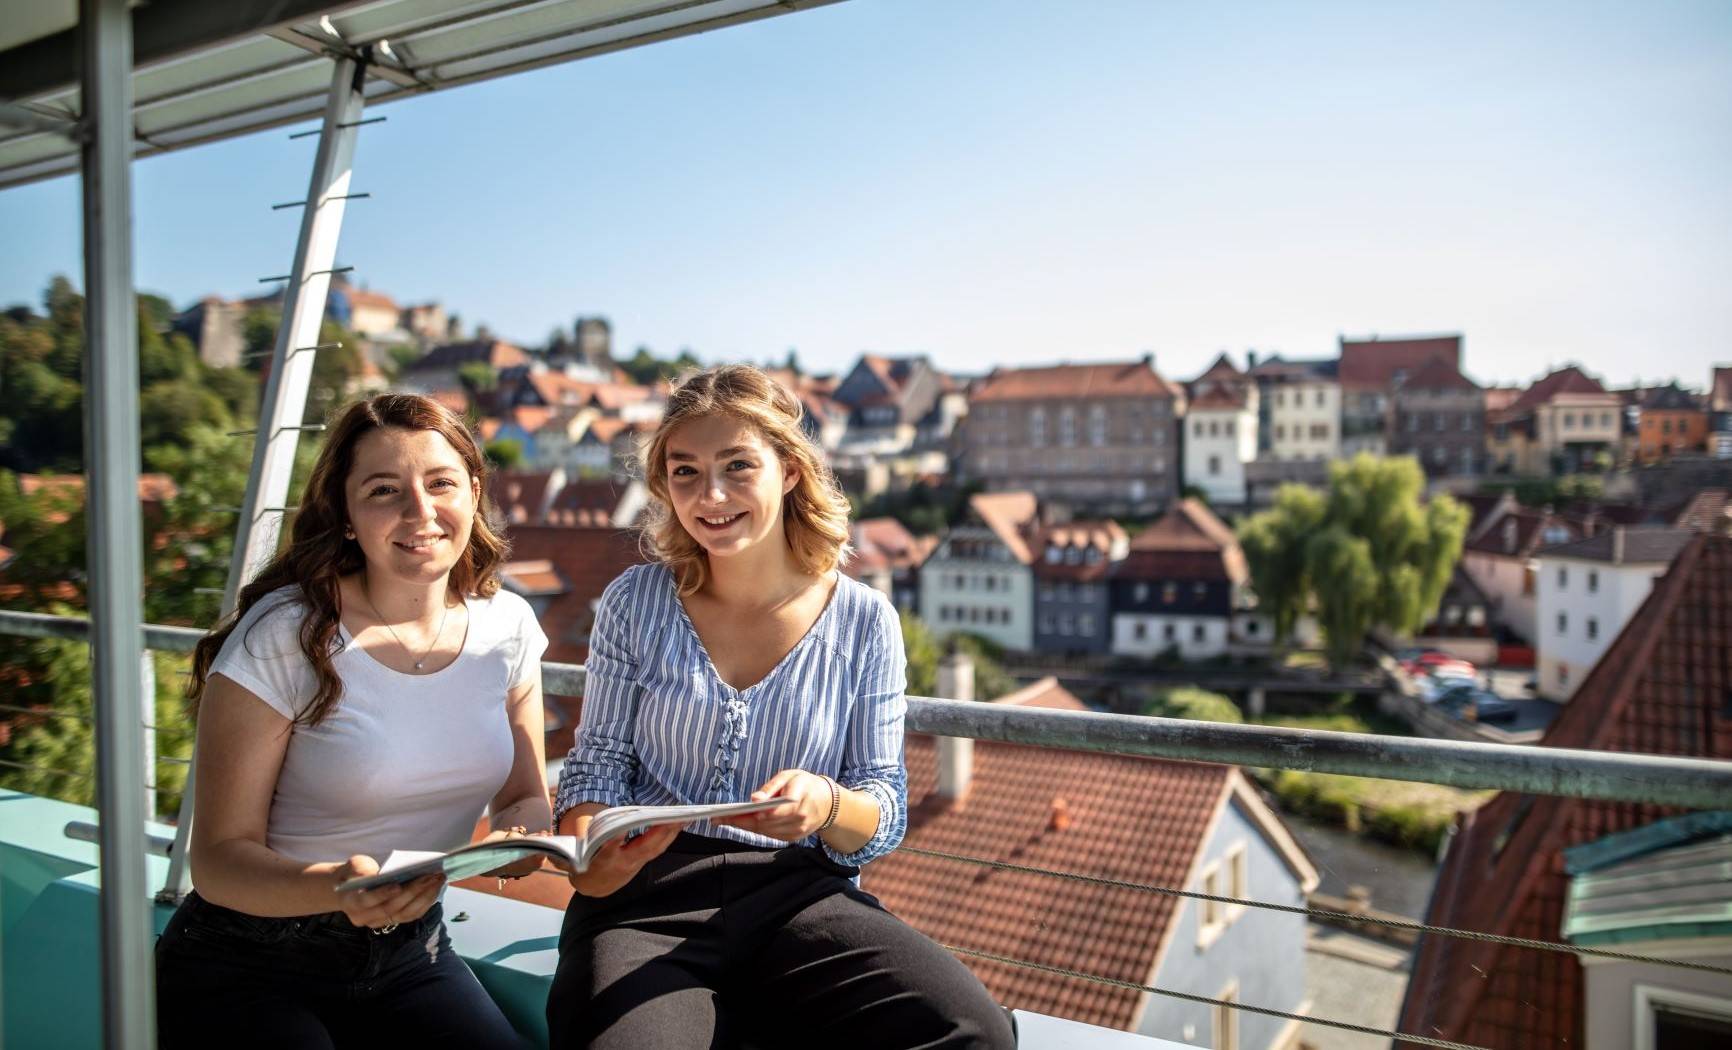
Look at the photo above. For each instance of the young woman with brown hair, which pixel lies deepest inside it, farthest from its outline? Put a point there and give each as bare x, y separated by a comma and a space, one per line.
374, 691
741, 664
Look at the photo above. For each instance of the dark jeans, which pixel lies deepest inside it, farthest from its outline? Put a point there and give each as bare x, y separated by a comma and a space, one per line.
225, 978
717, 943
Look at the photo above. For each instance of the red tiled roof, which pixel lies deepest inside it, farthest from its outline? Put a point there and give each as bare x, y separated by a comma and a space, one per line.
1704, 510
1504, 872
1222, 371
520, 495
492, 352
1498, 398
1438, 374
1188, 542
1103, 536
1218, 399
1010, 515
376, 300
456, 400
1047, 693
1127, 379
1571, 380
1134, 819
152, 488
1373, 363
533, 578
587, 560
888, 540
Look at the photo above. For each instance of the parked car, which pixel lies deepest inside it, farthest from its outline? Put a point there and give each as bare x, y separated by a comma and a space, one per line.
1420, 666
1446, 692
1479, 705
1434, 687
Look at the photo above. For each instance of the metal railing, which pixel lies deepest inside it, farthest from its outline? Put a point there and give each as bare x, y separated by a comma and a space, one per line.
1658, 780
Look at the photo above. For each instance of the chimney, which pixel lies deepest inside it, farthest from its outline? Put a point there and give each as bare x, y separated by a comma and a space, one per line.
1618, 545
955, 754
1059, 818
1250, 360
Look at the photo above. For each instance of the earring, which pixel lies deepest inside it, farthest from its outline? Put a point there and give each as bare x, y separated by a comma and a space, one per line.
349, 532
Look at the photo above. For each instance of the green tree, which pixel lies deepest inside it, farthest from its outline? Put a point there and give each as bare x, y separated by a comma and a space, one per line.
504, 453
923, 653
1371, 552
1188, 701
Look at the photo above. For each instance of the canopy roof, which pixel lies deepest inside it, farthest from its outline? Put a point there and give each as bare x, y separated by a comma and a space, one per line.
211, 69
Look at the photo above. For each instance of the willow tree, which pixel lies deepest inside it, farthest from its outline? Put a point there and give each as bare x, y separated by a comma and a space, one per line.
1370, 552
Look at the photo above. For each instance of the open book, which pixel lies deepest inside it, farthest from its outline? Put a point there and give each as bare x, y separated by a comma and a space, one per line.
567, 851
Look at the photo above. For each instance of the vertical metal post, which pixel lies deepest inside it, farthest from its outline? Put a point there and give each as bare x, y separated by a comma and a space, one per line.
147, 744
115, 541
285, 400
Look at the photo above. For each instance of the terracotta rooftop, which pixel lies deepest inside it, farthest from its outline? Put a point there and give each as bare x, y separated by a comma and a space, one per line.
1704, 510
1011, 516
1570, 380
1218, 398
883, 543
1107, 537
1374, 363
1222, 371
1660, 689
359, 297
1127, 379
532, 579
152, 488
1134, 819
1669, 398
522, 496
1187, 543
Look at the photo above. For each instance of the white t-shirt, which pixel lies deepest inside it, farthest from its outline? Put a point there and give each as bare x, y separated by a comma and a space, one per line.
402, 761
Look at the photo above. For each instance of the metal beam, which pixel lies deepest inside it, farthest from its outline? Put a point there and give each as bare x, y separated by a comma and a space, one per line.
334, 46
160, 30
285, 399
13, 115
115, 528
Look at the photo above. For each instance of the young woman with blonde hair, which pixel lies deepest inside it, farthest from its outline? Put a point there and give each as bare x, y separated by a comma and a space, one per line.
375, 691
741, 664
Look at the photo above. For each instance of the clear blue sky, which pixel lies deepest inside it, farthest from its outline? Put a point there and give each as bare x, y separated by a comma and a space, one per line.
999, 182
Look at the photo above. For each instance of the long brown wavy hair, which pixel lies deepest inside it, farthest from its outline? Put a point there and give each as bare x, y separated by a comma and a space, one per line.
319, 554
814, 512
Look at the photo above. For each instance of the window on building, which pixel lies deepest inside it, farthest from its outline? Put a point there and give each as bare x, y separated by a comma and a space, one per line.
1593, 581
1563, 577
1413, 422
1319, 431
1280, 399
1224, 1020
1214, 466
1569, 420
1563, 674
1067, 425
1280, 432
1605, 419
1066, 624
1319, 400
1140, 592
1563, 623
1238, 877
1228, 427
1085, 625
1169, 593
1199, 590
1169, 632
1098, 425
1046, 590
1476, 616
1073, 555
1140, 631
1046, 623
1037, 426
1198, 633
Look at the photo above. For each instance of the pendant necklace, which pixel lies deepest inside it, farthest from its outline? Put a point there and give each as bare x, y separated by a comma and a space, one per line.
437, 635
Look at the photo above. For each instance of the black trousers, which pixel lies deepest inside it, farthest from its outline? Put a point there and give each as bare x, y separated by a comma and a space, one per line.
225, 978
717, 944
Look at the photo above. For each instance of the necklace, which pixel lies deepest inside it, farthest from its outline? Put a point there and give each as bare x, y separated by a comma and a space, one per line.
436, 636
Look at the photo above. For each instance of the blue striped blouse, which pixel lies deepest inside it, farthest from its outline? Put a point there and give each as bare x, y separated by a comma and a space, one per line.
660, 727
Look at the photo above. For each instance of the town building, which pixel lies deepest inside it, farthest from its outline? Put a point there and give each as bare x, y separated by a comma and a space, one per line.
1564, 423
1499, 559
1143, 821
886, 399
1073, 567
1669, 420
1547, 867
1220, 433
887, 558
216, 327
1587, 591
1098, 439
1371, 371
1179, 586
1298, 410
440, 369
980, 578
1438, 418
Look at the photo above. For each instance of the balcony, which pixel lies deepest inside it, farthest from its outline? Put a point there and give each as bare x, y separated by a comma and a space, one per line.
52, 872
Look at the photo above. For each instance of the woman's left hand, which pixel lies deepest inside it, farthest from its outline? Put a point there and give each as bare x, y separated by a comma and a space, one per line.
516, 869
807, 805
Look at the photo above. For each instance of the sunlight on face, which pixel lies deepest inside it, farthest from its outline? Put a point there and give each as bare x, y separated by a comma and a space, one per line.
726, 484
411, 503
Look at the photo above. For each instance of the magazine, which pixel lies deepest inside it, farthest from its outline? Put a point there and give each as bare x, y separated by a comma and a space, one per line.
568, 851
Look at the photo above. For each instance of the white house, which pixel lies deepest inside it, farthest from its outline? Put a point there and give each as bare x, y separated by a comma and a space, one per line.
1220, 433
1588, 590
1499, 558
980, 579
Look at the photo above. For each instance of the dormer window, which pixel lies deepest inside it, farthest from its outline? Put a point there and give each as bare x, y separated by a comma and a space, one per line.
1054, 555
1072, 556
1509, 535
1092, 556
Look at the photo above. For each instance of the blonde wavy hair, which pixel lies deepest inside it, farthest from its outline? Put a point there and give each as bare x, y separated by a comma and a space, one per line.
814, 512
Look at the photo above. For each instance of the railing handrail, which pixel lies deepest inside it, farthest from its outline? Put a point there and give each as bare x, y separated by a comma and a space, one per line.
1695, 783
